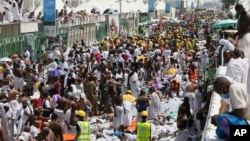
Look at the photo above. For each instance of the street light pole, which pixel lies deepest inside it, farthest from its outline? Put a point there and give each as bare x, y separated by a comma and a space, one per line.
120, 15
198, 4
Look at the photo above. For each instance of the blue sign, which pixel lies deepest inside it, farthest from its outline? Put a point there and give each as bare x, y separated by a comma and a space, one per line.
178, 4
151, 5
192, 5
167, 8
49, 12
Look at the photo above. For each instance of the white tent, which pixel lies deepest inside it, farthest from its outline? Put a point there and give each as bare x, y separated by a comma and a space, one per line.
143, 7
101, 5
127, 6
160, 6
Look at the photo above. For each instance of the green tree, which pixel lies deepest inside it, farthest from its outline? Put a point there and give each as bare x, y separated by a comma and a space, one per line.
227, 3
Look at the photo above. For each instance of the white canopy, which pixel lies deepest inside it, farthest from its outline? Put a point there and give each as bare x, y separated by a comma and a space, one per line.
160, 6
127, 6
143, 7
101, 5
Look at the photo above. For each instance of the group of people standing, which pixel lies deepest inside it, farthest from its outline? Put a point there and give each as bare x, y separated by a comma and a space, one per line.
62, 94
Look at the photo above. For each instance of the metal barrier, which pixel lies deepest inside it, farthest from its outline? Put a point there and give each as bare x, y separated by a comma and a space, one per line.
12, 45
18, 45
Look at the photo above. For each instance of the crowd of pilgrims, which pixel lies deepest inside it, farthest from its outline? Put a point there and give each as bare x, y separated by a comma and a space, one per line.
106, 80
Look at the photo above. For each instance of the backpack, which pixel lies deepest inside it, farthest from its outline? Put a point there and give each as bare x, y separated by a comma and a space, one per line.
231, 120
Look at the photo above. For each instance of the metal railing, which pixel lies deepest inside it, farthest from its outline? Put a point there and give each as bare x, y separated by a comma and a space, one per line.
209, 133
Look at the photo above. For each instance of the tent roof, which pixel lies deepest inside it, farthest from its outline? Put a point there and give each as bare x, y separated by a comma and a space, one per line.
101, 5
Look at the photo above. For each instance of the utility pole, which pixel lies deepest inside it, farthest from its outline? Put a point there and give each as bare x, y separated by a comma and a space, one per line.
186, 6
182, 8
198, 3
120, 16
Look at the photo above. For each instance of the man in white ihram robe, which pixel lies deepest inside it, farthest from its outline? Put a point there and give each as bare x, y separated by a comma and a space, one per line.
155, 104
4, 123
128, 113
119, 116
181, 57
134, 84
11, 119
15, 11
7, 10
237, 68
128, 100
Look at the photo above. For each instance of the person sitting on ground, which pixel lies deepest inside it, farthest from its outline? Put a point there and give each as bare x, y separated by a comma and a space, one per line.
175, 87
109, 111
